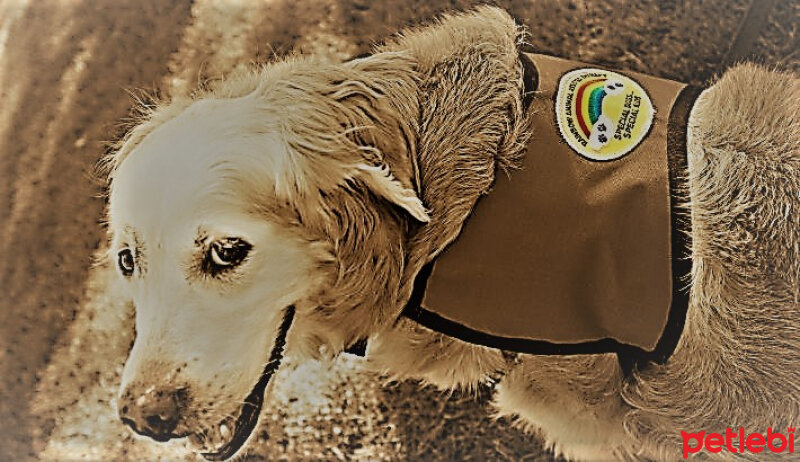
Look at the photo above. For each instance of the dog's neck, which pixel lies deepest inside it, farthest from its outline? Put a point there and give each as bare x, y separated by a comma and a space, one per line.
472, 123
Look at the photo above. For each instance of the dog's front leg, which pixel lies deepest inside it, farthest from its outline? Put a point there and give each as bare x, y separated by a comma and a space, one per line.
574, 401
410, 351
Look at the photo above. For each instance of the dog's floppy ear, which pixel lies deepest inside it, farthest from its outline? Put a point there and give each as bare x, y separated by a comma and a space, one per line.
380, 102
349, 124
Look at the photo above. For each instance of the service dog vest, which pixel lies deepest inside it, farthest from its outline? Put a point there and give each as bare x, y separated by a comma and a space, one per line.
584, 248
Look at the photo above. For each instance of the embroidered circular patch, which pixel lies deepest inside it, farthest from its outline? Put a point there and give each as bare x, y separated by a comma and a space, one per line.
601, 114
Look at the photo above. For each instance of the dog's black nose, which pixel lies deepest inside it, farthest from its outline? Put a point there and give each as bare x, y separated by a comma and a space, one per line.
154, 413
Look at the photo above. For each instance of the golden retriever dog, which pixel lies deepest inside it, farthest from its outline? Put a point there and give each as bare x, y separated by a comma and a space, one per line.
291, 207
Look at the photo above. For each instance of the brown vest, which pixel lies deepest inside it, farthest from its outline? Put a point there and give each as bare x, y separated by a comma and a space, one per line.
583, 249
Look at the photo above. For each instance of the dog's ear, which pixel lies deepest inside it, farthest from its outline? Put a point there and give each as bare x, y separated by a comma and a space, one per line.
350, 124
380, 102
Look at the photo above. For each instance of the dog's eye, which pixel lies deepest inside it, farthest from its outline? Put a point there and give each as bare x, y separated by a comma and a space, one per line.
225, 254
125, 262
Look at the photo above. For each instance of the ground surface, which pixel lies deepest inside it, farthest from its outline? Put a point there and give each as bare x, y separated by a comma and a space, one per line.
64, 71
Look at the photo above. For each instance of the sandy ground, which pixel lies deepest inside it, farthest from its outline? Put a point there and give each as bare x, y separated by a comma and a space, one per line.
66, 68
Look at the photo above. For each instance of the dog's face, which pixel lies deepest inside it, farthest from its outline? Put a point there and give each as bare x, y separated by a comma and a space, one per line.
212, 281
226, 227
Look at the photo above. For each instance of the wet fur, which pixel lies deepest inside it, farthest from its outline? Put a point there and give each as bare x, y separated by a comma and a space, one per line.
438, 110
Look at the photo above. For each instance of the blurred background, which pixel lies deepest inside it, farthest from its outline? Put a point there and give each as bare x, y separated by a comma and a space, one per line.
68, 70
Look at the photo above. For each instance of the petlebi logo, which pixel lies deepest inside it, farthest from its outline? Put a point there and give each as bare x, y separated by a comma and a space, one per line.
602, 114
741, 442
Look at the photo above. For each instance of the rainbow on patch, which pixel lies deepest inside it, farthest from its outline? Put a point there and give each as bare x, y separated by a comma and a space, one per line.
589, 101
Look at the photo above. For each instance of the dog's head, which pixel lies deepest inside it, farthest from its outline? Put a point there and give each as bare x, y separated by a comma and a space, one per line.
280, 209
272, 203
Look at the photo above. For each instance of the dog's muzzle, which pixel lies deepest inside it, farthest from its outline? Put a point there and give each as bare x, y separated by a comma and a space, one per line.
248, 418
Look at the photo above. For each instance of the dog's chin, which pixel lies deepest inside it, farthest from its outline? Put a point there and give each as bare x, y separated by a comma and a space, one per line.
227, 438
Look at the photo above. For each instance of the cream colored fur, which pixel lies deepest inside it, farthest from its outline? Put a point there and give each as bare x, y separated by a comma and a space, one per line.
369, 169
